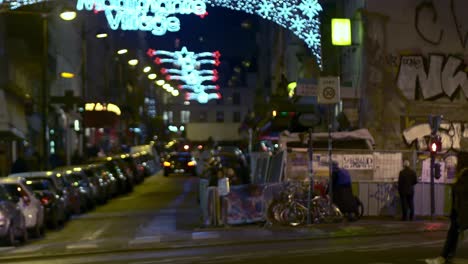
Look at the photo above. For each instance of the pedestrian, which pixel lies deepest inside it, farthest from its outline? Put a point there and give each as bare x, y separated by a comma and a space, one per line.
458, 214
342, 191
406, 181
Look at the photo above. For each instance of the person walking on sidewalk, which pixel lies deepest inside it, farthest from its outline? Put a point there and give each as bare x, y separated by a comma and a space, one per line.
406, 181
458, 214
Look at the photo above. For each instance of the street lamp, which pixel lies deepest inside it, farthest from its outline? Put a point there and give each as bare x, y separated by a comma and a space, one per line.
133, 62
68, 15
101, 35
122, 51
147, 69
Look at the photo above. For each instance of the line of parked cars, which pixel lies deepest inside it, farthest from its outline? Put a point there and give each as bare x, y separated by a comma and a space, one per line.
30, 202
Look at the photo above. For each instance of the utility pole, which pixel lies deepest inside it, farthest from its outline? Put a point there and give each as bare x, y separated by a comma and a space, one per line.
434, 147
45, 94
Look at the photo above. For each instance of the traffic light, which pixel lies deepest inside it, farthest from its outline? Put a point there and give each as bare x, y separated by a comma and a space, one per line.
437, 173
435, 144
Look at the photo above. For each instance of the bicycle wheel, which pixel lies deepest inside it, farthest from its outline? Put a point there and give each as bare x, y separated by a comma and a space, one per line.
294, 215
274, 212
323, 213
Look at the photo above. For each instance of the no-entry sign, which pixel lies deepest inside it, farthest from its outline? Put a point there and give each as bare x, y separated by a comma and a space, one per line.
328, 90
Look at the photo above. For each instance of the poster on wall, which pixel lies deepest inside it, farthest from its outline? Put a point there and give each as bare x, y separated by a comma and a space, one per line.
357, 162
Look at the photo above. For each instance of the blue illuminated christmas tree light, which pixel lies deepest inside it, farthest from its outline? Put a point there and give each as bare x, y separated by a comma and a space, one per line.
187, 69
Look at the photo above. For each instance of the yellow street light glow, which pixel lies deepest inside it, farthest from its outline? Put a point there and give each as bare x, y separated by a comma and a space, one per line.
68, 15
147, 69
166, 86
99, 107
133, 62
67, 75
170, 89
341, 31
175, 93
101, 35
160, 82
114, 108
152, 76
122, 51
274, 113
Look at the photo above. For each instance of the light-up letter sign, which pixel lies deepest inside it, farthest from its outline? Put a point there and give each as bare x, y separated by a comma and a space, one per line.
146, 15
187, 69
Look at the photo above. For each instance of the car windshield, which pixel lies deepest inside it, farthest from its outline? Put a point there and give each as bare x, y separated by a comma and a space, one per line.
40, 185
181, 157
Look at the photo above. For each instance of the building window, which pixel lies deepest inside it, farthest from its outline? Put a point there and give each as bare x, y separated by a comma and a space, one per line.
168, 116
236, 98
219, 116
203, 117
184, 116
236, 118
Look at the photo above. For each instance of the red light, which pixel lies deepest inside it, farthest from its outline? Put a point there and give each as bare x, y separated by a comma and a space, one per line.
216, 54
163, 70
168, 77
45, 200
219, 95
215, 78
157, 61
150, 52
203, 15
434, 147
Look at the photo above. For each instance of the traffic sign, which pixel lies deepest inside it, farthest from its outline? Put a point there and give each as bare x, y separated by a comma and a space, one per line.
328, 90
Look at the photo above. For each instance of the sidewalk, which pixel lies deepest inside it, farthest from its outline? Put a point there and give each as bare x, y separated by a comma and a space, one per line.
367, 226
222, 236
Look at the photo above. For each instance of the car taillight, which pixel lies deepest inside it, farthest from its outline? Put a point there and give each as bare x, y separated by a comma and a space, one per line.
167, 164
45, 200
191, 163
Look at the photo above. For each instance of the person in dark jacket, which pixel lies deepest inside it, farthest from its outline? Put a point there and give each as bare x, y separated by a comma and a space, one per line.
342, 191
406, 181
458, 213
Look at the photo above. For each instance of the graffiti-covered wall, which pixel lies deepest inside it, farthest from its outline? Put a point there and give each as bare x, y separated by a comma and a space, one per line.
416, 57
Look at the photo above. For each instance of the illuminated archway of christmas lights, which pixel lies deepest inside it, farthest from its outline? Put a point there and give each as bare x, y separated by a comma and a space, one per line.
188, 70
299, 16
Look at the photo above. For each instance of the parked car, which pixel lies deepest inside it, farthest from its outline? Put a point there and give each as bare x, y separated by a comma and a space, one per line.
137, 168
54, 204
124, 183
99, 183
12, 221
65, 189
180, 162
30, 206
76, 177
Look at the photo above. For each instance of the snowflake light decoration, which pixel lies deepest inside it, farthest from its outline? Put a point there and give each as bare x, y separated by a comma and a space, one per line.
187, 69
300, 16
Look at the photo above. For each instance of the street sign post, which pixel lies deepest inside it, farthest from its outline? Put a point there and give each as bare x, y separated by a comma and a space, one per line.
328, 90
329, 93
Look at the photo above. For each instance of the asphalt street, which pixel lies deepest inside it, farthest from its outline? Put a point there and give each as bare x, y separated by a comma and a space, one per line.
159, 222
